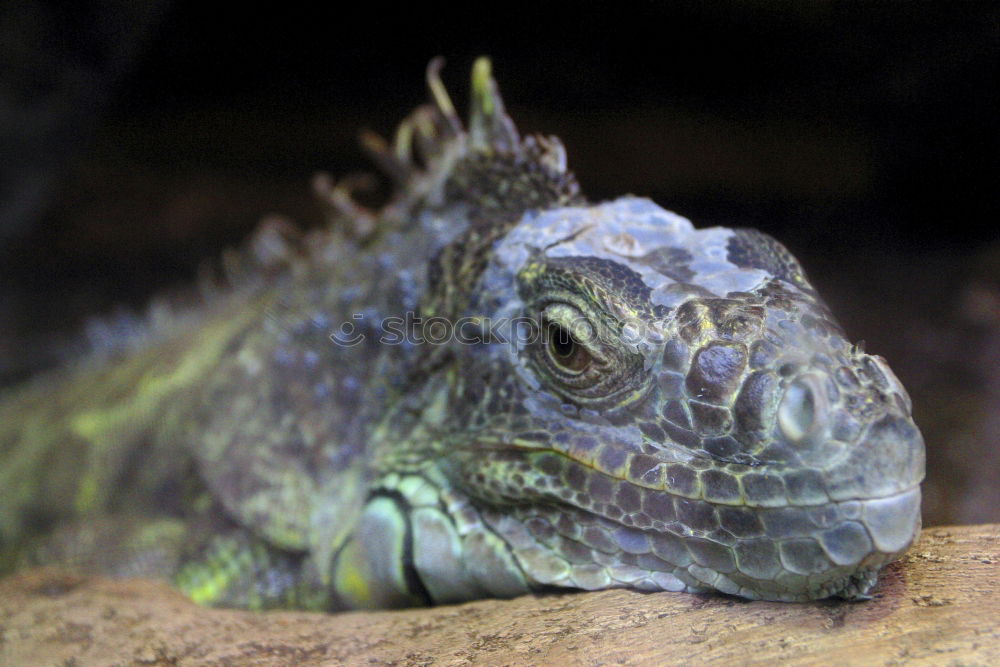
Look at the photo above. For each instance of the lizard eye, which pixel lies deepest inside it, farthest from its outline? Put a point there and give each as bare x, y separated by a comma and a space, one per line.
572, 359
565, 351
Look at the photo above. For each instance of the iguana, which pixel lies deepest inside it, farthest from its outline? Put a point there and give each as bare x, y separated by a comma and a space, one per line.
486, 387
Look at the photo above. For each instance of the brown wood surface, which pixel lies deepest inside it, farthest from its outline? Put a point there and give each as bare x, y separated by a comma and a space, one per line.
939, 605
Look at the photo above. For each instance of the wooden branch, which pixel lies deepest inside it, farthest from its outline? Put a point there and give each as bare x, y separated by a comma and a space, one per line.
940, 604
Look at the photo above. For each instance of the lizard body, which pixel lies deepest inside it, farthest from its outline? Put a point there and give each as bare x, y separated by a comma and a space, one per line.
585, 396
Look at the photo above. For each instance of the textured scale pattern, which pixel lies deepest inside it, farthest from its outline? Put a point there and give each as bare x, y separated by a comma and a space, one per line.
621, 400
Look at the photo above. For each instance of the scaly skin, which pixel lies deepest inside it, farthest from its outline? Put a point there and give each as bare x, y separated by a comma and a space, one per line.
629, 402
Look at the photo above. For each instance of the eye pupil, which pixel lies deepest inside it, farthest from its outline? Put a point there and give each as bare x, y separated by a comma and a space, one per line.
566, 351
563, 345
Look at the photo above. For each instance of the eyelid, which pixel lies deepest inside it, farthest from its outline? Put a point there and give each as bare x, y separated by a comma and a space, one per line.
571, 320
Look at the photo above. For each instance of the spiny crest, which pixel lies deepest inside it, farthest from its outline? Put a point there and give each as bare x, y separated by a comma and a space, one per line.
433, 161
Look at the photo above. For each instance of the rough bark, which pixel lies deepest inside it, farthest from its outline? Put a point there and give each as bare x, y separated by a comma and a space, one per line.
939, 604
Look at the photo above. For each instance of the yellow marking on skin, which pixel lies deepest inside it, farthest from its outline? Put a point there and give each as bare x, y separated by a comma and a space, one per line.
97, 426
531, 271
206, 582
352, 583
351, 578
208, 590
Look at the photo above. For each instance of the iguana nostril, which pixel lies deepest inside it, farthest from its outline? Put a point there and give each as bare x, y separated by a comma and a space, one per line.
797, 412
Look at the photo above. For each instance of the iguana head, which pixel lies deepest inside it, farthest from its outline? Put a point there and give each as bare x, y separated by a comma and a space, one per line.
629, 401
676, 408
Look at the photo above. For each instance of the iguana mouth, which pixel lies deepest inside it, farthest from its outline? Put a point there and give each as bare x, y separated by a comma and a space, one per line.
777, 553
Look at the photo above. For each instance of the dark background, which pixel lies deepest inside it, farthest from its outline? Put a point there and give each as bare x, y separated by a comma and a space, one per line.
139, 138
